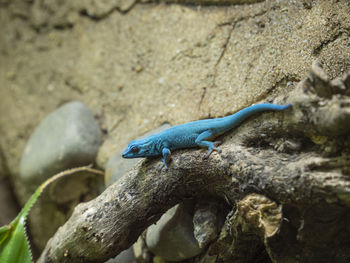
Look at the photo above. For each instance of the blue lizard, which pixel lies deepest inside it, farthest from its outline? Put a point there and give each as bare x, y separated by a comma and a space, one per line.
193, 134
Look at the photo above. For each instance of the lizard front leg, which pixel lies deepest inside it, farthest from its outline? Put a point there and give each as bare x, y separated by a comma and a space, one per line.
166, 157
202, 140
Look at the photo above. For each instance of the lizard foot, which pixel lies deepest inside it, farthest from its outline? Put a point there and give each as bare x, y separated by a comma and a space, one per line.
213, 148
160, 167
163, 165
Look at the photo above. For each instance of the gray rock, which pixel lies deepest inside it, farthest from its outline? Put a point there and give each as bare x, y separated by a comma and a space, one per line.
68, 137
172, 236
126, 256
141, 251
117, 166
206, 222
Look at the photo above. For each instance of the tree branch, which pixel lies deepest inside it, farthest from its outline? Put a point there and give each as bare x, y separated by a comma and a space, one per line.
107, 225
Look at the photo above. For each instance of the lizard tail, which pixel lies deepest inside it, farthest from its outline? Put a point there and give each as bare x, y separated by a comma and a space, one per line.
237, 118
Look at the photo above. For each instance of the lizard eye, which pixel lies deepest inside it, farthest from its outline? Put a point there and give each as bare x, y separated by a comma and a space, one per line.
134, 149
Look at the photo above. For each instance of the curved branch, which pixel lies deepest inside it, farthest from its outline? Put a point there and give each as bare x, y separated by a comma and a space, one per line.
105, 226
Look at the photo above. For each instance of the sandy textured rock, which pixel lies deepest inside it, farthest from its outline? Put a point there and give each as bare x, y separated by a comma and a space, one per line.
159, 63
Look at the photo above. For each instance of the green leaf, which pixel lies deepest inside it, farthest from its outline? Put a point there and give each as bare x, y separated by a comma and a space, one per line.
14, 245
4, 233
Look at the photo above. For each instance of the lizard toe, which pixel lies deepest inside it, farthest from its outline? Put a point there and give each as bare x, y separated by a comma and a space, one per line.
208, 153
218, 150
161, 167
217, 143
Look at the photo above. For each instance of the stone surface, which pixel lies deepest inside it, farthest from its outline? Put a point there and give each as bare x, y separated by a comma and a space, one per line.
141, 251
172, 236
206, 222
68, 137
127, 256
117, 166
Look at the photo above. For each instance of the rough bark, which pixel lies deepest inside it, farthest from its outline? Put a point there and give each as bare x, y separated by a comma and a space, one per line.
297, 159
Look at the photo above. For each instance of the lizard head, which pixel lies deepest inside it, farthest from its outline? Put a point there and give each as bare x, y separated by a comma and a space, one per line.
140, 148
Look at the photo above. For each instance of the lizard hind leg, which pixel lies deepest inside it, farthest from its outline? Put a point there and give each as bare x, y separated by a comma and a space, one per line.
202, 140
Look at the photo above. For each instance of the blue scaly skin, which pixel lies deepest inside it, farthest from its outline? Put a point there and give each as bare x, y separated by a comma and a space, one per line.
193, 134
